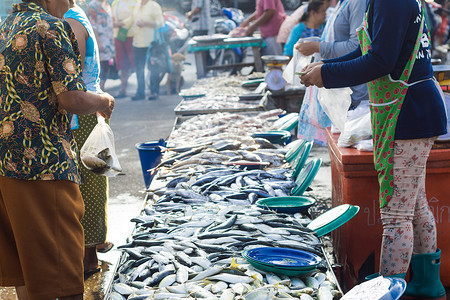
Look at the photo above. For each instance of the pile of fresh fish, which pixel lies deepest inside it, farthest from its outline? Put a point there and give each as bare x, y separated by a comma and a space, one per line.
188, 239
220, 86
216, 102
193, 251
237, 125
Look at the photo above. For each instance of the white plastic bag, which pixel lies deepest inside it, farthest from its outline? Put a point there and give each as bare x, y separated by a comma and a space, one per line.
357, 127
335, 103
98, 153
298, 62
355, 131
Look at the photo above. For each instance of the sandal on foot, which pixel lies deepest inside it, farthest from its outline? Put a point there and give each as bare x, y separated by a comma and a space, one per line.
88, 273
103, 248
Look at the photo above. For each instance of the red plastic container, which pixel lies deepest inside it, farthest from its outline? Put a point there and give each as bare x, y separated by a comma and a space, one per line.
354, 181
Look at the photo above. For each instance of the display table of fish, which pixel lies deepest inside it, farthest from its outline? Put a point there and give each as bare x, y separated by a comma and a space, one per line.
220, 86
194, 251
217, 103
188, 239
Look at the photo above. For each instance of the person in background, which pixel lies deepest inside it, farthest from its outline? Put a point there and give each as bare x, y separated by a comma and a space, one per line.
123, 21
41, 237
311, 24
339, 38
290, 22
100, 15
200, 9
408, 113
94, 188
268, 17
148, 17
159, 63
441, 31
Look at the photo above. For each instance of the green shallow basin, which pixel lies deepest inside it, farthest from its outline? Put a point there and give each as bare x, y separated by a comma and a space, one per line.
290, 204
296, 146
273, 136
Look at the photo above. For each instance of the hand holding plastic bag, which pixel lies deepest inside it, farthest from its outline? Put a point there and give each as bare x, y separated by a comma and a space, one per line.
335, 103
98, 153
295, 65
298, 62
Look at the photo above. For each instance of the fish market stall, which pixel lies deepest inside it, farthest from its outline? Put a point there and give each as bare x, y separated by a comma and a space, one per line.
201, 230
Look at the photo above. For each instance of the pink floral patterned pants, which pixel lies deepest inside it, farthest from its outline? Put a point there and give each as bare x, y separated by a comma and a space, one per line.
408, 223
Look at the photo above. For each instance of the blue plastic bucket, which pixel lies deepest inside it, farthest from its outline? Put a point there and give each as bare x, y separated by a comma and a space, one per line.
150, 156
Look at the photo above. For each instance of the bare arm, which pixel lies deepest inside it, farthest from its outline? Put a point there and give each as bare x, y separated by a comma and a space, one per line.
81, 35
85, 103
263, 19
193, 12
247, 21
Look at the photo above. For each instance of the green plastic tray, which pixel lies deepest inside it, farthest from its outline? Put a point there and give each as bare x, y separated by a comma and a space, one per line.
290, 124
306, 176
301, 158
274, 136
295, 148
333, 218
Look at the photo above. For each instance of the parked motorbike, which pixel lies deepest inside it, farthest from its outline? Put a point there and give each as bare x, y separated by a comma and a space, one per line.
232, 56
178, 34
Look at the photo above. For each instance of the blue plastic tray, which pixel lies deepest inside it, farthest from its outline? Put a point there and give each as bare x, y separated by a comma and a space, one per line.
284, 257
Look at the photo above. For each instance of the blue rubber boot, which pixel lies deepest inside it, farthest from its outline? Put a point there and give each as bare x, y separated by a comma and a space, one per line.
425, 282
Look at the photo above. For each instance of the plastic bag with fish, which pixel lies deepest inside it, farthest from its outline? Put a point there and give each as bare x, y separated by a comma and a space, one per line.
98, 152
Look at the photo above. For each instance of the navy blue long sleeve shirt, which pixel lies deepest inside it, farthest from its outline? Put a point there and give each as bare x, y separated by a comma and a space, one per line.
393, 27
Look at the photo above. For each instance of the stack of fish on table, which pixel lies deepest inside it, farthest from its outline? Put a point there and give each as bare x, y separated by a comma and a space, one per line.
189, 237
216, 102
226, 86
216, 94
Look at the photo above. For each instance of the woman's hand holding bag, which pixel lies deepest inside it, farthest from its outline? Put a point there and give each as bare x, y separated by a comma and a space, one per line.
98, 153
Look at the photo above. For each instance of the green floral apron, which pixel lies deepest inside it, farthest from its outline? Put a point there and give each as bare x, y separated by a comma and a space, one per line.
386, 99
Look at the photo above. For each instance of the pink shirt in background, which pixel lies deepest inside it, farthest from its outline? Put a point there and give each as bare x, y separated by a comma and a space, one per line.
270, 28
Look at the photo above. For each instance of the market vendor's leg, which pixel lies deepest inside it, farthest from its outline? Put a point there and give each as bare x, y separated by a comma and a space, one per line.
124, 63
104, 73
425, 280
155, 79
410, 157
90, 262
95, 195
140, 60
42, 238
124, 75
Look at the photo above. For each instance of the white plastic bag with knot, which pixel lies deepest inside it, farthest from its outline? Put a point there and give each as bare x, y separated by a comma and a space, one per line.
298, 62
98, 153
